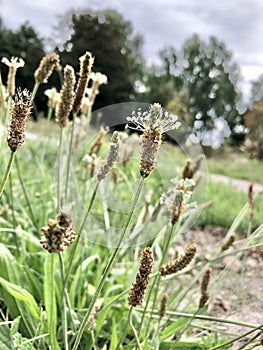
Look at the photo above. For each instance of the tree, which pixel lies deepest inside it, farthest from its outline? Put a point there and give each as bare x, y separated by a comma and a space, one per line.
210, 77
257, 89
116, 51
23, 43
254, 121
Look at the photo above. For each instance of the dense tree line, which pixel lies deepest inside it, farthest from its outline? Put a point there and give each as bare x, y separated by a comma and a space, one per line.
198, 81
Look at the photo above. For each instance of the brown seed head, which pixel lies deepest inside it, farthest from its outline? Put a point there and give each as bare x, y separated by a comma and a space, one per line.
151, 141
58, 233
140, 284
204, 287
86, 63
178, 264
65, 104
46, 67
162, 309
19, 113
112, 157
229, 242
188, 171
251, 201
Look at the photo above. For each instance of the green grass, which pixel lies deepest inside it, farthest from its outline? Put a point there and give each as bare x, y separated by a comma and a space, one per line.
236, 165
223, 212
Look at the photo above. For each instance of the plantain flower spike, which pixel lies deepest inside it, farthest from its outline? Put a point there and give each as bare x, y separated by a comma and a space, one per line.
140, 284
153, 122
86, 63
46, 67
112, 157
65, 105
204, 287
19, 114
58, 233
180, 263
13, 65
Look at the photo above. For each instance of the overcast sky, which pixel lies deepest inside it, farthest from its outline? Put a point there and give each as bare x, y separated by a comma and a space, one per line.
238, 23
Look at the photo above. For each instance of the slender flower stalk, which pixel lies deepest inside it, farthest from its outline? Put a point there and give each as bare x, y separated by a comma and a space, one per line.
86, 63
112, 157
108, 267
140, 284
180, 263
153, 123
13, 65
46, 67
19, 114
204, 287
65, 105
163, 304
20, 111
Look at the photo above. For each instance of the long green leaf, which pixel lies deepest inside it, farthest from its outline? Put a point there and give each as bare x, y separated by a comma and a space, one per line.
173, 328
114, 338
13, 272
23, 295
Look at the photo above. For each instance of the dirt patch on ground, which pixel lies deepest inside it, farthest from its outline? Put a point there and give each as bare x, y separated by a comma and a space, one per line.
236, 286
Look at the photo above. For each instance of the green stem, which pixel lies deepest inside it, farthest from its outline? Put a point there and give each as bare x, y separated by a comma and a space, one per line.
250, 341
36, 86
69, 155
7, 172
64, 310
74, 248
94, 347
25, 194
59, 199
206, 318
138, 346
14, 222
49, 113
237, 338
108, 267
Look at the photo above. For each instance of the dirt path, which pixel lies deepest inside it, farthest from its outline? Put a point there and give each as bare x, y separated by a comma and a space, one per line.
241, 185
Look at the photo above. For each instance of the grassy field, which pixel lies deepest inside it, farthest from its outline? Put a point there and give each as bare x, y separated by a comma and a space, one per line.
97, 262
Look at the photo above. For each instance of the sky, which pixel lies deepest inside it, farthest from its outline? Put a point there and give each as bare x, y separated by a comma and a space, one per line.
238, 23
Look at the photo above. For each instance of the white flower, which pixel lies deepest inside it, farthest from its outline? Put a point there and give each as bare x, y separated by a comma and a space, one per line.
99, 78
15, 62
155, 118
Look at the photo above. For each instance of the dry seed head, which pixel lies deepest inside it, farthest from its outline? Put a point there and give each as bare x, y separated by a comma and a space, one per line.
46, 67
86, 63
112, 157
58, 233
188, 171
19, 113
180, 263
229, 242
204, 287
251, 201
96, 146
177, 197
92, 317
13, 64
140, 284
65, 104
162, 309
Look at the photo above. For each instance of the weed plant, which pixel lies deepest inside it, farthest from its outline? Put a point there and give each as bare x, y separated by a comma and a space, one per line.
89, 253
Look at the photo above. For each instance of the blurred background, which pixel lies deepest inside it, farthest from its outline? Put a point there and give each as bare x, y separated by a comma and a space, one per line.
201, 60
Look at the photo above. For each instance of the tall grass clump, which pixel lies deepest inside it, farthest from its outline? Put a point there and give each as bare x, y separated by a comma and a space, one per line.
90, 249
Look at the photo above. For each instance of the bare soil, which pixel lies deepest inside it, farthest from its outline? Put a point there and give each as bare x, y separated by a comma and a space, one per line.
236, 286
